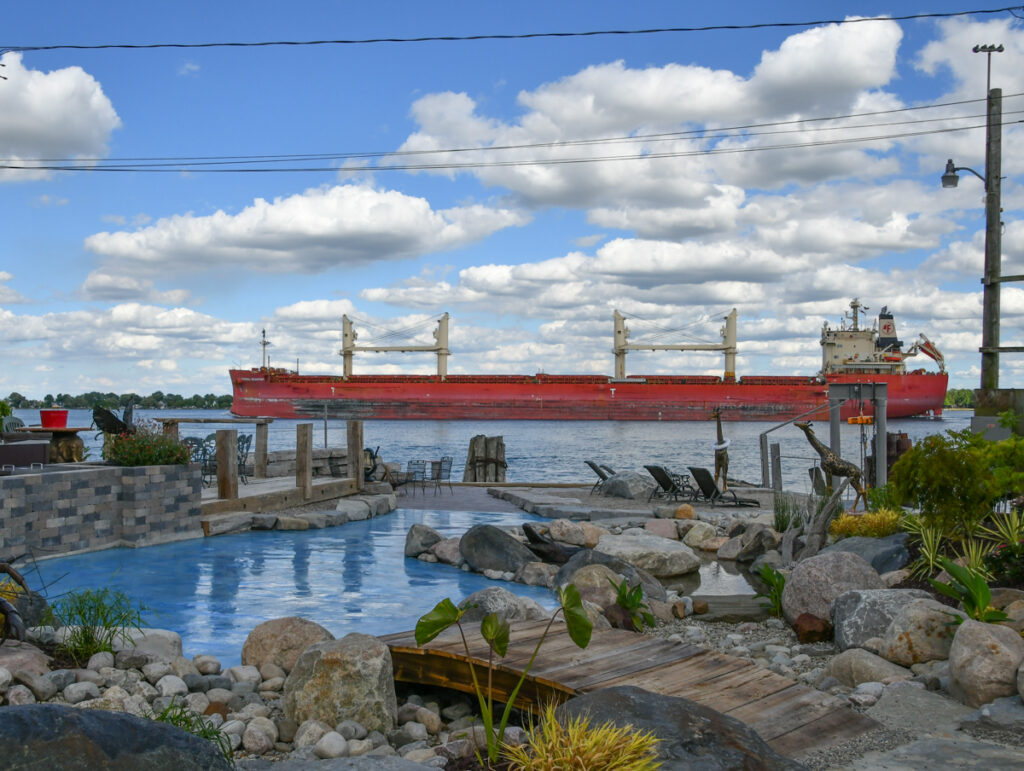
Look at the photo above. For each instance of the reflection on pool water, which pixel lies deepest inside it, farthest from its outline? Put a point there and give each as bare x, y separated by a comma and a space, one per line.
354, 578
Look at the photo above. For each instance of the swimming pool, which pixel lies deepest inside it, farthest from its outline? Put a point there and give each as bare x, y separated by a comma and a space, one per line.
214, 591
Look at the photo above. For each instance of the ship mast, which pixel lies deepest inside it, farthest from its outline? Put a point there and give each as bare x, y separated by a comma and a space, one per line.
349, 347
728, 346
263, 344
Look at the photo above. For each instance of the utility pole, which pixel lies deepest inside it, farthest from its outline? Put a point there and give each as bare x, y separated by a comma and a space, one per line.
993, 228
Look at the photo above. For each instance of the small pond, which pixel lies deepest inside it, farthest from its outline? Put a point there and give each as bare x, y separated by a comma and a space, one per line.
354, 578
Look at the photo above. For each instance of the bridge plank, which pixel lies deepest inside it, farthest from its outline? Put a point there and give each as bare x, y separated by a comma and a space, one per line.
788, 715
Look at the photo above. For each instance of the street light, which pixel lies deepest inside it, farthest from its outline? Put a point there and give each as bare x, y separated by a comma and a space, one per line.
952, 179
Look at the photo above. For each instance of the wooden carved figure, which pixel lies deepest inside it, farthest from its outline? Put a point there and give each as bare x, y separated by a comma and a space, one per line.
721, 449
834, 466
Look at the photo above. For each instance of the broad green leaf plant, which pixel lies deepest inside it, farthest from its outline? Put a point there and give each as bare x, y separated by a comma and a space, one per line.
495, 632
971, 589
776, 582
632, 603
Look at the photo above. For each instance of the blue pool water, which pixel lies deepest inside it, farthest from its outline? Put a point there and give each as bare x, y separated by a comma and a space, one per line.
214, 591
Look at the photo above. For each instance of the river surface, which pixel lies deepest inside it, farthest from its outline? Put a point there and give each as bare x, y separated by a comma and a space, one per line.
555, 451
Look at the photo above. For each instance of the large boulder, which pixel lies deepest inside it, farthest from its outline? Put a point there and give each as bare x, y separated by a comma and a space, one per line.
629, 484
497, 599
922, 630
860, 614
815, 582
281, 641
486, 547
347, 679
983, 662
658, 556
163, 644
420, 538
566, 574
60, 737
883, 554
692, 736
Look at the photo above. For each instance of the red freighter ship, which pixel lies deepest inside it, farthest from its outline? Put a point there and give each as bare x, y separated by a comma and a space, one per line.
850, 354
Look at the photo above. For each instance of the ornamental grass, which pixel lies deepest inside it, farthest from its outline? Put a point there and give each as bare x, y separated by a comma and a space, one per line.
870, 524
572, 744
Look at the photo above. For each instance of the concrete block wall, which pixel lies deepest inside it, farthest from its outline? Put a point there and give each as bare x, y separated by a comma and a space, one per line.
84, 507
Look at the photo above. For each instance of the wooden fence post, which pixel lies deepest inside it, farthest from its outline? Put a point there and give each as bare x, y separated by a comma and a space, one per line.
354, 459
227, 463
304, 459
262, 443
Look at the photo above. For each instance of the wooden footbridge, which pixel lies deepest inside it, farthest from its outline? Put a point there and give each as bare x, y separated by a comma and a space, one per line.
791, 717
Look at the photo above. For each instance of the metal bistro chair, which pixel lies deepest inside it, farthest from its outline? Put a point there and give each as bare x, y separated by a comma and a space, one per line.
417, 474
208, 459
441, 471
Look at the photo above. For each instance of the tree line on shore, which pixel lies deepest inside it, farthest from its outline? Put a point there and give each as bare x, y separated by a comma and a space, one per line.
960, 397
158, 400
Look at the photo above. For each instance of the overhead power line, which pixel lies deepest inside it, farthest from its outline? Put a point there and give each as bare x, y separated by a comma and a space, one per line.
199, 168
269, 163
521, 36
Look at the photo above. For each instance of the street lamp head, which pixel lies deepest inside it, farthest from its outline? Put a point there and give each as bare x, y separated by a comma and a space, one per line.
988, 49
950, 178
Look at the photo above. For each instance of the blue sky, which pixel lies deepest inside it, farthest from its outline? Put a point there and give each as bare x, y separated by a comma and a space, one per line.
141, 281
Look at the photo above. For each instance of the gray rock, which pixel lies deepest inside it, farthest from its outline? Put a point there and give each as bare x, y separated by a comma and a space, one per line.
281, 641
856, 665
163, 644
486, 547
658, 556
692, 736
420, 538
916, 709
755, 541
61, 678
883, 554
497, 599
41, 686
983, 662
652, 586
355, 510
938, 753
346, 679
99, 660
331, 745
920, 631
814, 583
1007, 712
77, 692
628, 484
730, 550
54, 736
860, 614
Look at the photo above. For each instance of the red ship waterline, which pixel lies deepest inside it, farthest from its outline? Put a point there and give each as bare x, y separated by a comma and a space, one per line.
851, 353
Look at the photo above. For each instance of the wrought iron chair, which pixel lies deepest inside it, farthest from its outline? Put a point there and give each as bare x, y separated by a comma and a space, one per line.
244, 445
441, 471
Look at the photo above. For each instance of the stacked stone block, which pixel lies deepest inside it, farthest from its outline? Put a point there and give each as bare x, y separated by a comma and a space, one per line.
94, 507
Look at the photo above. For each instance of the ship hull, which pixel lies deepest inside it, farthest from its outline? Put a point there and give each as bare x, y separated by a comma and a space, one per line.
281, 394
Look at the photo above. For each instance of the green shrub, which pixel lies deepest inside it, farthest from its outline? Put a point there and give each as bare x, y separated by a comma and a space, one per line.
95, 619
180, 716
949, 479
630, 604
884, 497
5, 408
147, 446
788, 510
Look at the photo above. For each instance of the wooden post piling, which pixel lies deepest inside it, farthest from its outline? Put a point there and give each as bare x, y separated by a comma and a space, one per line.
304, 459
227, 463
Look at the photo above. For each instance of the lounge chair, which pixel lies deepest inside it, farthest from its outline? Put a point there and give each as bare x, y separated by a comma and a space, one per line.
711, 493
674, 486
603, 472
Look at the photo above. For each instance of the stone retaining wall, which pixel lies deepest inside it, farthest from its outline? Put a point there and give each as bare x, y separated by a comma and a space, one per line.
330, 462
87, 507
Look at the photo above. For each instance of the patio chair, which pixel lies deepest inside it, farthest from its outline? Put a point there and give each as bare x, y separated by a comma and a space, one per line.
11, 423
711, 493
602, 473
195, 447
674, 486
417, 474
442, 473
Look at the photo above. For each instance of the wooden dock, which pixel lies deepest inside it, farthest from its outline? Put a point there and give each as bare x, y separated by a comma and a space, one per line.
791, 717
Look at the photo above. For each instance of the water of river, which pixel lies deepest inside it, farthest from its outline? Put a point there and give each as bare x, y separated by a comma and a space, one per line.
554, 451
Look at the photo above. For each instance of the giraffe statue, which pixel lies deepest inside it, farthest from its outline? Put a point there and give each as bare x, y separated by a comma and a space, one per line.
721, 449
834, 466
